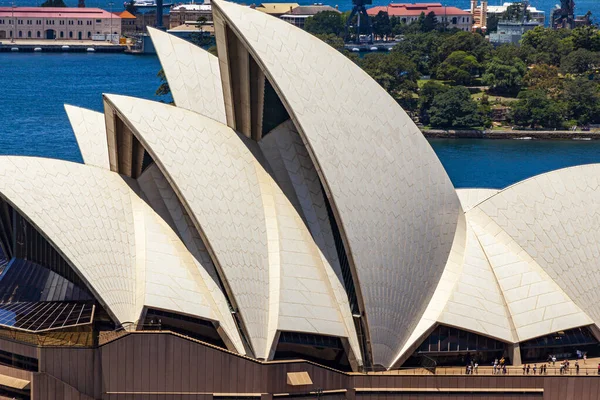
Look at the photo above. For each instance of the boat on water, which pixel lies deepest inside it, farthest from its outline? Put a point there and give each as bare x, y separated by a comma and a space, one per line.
146, 3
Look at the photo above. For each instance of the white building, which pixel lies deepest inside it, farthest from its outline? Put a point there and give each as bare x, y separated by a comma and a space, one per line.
57, 23
538, 16
189, 14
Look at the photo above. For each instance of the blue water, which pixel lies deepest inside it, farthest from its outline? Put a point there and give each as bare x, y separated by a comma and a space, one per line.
581, 6
33, 122
36, 85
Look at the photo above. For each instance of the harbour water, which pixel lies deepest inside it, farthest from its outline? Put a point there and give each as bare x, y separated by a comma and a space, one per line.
582, 6
36, 85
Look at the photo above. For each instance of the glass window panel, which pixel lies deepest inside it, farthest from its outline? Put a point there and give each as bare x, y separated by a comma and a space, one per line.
453, 339
463, 340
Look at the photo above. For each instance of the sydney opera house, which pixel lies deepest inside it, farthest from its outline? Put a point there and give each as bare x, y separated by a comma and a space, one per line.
267, 235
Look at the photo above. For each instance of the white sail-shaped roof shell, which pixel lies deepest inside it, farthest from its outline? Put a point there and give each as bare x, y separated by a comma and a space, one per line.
192, 73
90, 132
529, 266
125, 253
272, 267
393, 201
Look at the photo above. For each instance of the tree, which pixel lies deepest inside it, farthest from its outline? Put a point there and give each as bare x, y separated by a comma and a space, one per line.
427, 94
582, 100
382, 26
469, 42
492, 23
546, 46
504, 76
586, 37
163, 88
460, 67
507, 52
422, 49
201, 39
544, 77
580, 61
54, 3
455, 108
325, 23
514, 12
428, 23
535, 109
131, 7
396, 74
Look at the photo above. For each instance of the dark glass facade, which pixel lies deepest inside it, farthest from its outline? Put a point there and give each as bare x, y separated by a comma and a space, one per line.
325, 350
452, 346
200, 329
562, 344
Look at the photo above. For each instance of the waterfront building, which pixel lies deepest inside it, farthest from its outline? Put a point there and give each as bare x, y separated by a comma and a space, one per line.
453, 17
266, 217
536, 16
148, 18
511, 32
128, 25
298, 15
189, 13
58, 23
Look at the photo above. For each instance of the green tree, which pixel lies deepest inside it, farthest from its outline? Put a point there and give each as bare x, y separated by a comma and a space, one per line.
54, 3
508, 51
163, 88
582, 100
544, 77
469, 42
546, 46
460, 67
429, 22
514, 12
580, 61
586, 37
455, 108
382, 26
492, 23
396, 74
427, 94
201, 38
535, 109
324, 23
422, 49
504, 76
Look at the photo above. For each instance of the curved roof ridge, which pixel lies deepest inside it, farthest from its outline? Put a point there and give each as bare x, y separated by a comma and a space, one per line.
398, 225
500, 191
193, 74
90, 132
247, 223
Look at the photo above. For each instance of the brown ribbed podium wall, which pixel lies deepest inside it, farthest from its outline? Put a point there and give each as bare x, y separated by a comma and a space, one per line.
163, 366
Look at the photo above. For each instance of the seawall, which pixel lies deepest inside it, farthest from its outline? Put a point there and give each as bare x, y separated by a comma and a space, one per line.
541, 135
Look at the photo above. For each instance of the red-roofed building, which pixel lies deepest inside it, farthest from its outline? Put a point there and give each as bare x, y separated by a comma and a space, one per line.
62, 23
409, 13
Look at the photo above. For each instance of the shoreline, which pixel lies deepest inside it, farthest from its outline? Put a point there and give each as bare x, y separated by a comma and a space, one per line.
517, 135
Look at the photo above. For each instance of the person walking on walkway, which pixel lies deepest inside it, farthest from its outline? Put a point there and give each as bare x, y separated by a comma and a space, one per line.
577, 367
